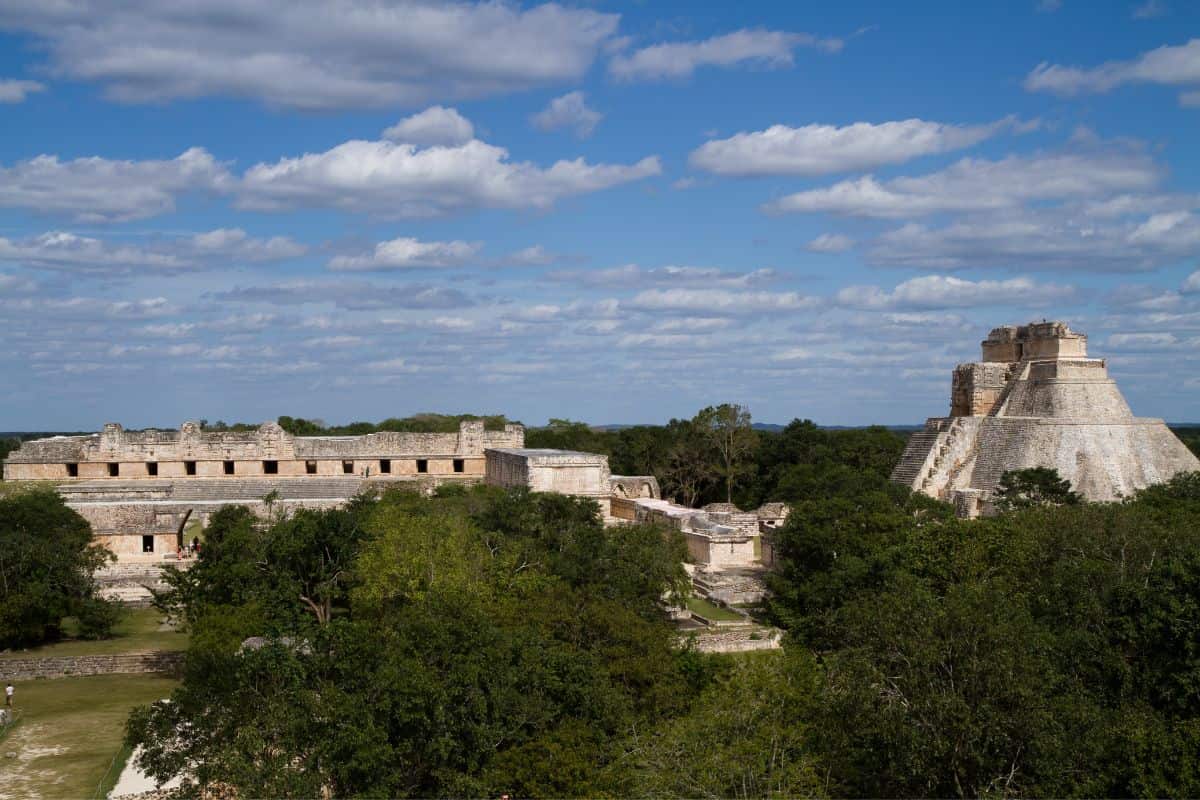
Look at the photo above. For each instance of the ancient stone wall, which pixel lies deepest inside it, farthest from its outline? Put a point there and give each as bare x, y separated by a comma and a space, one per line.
24, 669
191, 452
976, 388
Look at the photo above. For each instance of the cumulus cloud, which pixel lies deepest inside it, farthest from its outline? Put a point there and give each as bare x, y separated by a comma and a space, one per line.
721, 301
61, 250
943, 291
349, 296
400, 180
310, 54
102, 190
15, 91
236, 243
1144, 341
981, 185
408, 253
632, 275
1169, 65
1038, 240
569, 111
827, 149
433, 126
830, 243
681, 59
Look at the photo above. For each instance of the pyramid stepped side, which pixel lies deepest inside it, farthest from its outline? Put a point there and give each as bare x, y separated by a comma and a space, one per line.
1038, 400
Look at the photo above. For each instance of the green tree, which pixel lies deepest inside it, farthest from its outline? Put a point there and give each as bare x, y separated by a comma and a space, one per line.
1036, 486
47, 562
727, 430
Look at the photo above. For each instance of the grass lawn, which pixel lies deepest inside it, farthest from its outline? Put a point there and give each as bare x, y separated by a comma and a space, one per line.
711, 611
140, 629
70, 732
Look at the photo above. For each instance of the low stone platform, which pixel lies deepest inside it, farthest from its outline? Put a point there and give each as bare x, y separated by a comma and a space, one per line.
731, 586
23, 669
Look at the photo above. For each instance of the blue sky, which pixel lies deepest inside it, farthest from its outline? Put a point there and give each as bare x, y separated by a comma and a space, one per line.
607, 212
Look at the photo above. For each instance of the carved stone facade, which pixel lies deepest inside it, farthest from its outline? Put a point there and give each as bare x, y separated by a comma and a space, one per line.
137, 489
1037, 400
193, 453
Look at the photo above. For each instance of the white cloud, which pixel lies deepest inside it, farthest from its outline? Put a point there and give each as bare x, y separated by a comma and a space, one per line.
311, 54
942, 291
980, 185
1191, 285
103, 190
1037, 239
433, 126
1169, 65
830, 243
61, 250
83, 254
1176, 231
721, 301
408, 253
236, 243
532, 256
631, 275
568, 111
76, 309
15, 91
681, 59
400, 180
349, 296
826, 149
1143, 341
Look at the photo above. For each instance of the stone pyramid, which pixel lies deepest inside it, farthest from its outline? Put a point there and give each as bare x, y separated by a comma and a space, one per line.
1037, 400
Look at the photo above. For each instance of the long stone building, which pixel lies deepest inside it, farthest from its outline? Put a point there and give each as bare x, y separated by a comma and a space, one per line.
1037, 400
138, 489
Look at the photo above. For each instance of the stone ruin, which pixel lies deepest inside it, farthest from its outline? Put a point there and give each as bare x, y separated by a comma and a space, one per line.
1037, 400
138, 489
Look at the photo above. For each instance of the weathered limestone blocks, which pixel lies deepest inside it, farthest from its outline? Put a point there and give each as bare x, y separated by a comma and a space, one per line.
1038, 400
193, 453
545, 470
24, 669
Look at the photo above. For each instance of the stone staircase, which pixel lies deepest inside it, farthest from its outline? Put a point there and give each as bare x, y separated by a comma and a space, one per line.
916, 452
945, 446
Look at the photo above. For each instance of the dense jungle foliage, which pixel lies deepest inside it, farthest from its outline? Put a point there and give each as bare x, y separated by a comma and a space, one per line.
47, 559
482, 642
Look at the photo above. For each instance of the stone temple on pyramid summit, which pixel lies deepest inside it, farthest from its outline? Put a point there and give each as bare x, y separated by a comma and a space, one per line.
1037, 400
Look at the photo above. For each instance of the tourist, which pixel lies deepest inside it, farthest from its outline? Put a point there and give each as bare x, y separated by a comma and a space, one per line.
8, 694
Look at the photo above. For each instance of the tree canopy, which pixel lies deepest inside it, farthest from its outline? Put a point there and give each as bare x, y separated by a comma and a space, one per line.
47, 561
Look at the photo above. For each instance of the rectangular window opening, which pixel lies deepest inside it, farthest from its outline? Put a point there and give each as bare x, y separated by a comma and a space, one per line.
347, 467
152, 468
72, 470
270, 468
114, 469
148, 543
189, 468
385, 466
459, 465
228, 465
310, 467
422, 465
